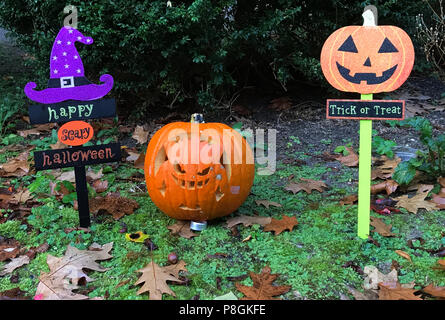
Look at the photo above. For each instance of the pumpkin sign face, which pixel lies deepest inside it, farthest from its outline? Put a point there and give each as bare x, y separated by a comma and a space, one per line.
367, 59
194, 173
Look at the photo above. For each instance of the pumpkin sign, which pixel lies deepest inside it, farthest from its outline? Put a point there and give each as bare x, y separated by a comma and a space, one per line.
198, 171
367, 59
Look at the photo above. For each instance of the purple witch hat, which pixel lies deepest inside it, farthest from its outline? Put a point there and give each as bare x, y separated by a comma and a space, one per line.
67, 79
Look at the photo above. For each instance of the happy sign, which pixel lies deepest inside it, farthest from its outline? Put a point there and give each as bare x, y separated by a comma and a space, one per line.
71, 97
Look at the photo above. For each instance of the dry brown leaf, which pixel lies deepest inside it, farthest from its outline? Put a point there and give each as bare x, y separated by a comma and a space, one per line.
115, 205
351, 160
415, 203
174, 269
22, 196
441, 266
100, 186
154, 279
9, 250
247, 238
278, 226
439, 199
389, 186
248, 221
17, 167
397, 292
386, 169
14, 264
353, 198
280, 104
182, 228
263, 288
140, 135
373, 277
366, 295
65, 272
381, 228
404, 255
438, 292
94, 176
307, 185
267, 203
37, 130
58, 145
140, 161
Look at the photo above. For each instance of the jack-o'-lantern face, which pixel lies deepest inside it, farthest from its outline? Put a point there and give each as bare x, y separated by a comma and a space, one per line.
188, 176
367, 59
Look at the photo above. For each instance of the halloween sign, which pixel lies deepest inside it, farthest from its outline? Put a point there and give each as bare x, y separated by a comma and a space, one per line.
70, 97
198, 171
366, 59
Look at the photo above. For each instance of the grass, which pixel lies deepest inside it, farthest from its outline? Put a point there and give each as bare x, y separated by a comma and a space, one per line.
309, 258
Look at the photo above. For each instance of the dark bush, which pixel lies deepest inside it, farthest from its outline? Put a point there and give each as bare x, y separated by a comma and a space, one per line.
203, 50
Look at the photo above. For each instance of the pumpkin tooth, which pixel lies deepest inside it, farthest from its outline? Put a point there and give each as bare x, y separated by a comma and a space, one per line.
191, 185
183, 184
199, 184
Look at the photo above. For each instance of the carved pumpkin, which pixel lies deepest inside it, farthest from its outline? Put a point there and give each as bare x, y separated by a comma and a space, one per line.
367, 59
198, 171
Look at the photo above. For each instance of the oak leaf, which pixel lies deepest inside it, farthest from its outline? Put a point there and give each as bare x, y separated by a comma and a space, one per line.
351, 160
386, 169
248, 221
22, 196
416, 202
381, 228
374, 277
16, 167
263, 288
396, 292
389, 186
307, 185
140, 135
66, 272
182, 228
438, 292
115, 205
14, 264
351, 199
267, 203
154, 279
278, 226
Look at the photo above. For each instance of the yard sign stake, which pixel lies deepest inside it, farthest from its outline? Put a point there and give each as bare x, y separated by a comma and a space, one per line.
366, 59
62, 102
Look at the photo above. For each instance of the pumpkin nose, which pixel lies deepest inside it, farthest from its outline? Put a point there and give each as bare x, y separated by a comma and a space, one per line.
367, 62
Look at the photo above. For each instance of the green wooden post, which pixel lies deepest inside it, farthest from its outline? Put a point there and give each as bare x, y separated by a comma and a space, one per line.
364, 175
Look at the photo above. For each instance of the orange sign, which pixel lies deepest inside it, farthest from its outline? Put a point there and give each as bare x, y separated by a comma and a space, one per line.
75, 133
367, 59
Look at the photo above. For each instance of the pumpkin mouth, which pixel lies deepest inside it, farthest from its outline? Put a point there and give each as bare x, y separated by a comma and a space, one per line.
370, 78
184, 207
190, 184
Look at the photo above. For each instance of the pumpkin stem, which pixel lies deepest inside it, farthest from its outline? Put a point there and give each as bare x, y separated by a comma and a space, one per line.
197, 118
370, 16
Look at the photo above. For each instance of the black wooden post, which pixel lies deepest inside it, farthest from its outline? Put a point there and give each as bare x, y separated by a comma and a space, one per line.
82, 197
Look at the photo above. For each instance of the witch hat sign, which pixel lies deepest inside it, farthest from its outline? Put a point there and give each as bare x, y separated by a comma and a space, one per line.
72, 98
367, 59
67, 78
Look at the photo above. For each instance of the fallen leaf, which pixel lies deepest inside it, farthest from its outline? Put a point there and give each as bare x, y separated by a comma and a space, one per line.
17, 167
280, 104
58, 145
390, 292
9, 250
366, 295
389, 186
349, 199
263, 288
40, 249
14, 264
439, 199
100, 185
154, 279
122, 283
415, 203
381, 228
136, 237
140, 135
438, 292
278, 226
140, 161
373, 277
67, 176
182, 228
22, 196
115, 205
66, 272
247, 238
307, 185
267, 203
386, 169
351, 160
441, 266
248, 221
13, 294
174, 269
37, 130
94, 176
403, 254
